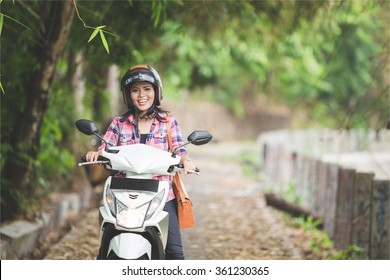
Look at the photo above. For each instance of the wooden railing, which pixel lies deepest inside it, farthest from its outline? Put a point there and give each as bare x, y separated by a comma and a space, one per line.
341, 177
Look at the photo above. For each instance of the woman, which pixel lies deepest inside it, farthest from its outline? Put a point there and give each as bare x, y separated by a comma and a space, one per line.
145, 122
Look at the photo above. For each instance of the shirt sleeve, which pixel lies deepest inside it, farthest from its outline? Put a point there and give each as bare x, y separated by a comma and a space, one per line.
112, 135
177, 138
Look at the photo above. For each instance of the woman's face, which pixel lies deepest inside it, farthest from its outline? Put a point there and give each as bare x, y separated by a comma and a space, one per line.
142, 95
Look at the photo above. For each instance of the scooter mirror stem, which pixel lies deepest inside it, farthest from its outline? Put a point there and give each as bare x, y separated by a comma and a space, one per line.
101, 138
175, 150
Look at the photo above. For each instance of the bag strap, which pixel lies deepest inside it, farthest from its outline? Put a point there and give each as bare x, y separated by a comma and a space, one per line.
177, 187
169, 135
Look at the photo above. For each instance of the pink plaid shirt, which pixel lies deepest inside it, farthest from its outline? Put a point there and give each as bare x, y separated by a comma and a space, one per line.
121, 133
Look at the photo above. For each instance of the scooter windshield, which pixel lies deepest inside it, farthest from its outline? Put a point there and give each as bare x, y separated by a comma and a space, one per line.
141, 159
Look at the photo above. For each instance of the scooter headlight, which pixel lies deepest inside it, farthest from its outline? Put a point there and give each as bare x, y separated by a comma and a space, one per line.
110, 199
130, 217
154, 204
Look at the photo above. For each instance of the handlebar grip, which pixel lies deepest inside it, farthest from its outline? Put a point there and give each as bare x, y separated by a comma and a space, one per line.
182, 166
100, 158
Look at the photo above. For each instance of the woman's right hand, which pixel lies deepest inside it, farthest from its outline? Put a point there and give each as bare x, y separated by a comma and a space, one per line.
92, 156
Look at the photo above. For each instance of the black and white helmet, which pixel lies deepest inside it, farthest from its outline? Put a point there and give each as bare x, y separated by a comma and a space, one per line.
141, 73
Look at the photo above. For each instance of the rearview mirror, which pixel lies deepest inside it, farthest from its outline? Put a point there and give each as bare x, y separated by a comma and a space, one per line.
199, 137
87, 127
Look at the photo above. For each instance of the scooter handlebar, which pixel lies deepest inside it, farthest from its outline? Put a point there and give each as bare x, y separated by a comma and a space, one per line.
180, 167
100, 160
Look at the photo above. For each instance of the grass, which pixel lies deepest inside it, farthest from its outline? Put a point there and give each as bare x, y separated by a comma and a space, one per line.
319, 242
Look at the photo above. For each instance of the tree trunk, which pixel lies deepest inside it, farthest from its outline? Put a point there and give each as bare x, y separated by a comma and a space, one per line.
18, 172
278, 202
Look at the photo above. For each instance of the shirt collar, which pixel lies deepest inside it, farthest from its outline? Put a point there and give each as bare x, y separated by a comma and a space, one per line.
163, 116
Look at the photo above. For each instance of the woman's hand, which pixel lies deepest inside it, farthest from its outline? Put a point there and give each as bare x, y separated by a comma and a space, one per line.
92, 155
189, 165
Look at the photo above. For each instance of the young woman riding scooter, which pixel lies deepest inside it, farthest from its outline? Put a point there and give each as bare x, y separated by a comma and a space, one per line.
145, 122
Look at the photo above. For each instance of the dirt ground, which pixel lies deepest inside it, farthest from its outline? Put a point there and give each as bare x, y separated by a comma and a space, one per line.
233, 220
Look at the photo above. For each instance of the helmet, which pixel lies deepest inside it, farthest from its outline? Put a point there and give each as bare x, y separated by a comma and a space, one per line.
141, 73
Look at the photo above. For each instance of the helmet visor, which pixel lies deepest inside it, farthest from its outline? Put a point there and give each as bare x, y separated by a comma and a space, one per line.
138, 77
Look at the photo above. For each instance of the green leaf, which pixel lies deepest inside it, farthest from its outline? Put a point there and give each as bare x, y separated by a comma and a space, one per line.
1, 22
94, 33
1, 87
104, 41
18, 22
157, 15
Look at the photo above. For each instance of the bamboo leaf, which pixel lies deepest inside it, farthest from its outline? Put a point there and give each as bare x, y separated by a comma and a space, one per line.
1, 22
104, 41
93, 35
18, 22
1, 88
157, 15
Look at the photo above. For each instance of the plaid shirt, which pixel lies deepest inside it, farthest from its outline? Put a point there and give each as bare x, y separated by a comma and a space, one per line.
123, 133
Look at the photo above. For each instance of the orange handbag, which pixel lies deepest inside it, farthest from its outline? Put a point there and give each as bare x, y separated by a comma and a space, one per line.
184, 204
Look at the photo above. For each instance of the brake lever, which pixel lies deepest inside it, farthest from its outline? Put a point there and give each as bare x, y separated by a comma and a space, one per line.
180, 167
100, 160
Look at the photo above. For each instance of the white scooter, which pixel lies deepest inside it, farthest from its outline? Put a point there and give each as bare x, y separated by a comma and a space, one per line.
132, 222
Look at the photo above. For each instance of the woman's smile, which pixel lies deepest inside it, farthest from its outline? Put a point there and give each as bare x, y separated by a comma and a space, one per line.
142, 95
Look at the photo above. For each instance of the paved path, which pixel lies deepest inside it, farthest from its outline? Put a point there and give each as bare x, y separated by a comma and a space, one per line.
233, 221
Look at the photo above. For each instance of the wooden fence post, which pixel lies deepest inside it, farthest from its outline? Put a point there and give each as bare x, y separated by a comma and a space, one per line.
380, 216
265, 154
313, 184
361, 212
346, 181
285, 168
331, 199
299, 176
320, 209
305, 183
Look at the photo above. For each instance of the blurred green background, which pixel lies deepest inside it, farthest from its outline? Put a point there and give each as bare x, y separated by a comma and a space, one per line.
327, 62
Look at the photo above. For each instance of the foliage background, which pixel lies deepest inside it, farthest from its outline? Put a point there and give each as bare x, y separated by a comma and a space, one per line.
328, 59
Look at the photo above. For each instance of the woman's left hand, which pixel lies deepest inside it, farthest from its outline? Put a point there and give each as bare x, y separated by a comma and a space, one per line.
189, 165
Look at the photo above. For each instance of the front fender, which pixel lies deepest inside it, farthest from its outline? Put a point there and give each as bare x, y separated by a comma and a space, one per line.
130, 246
